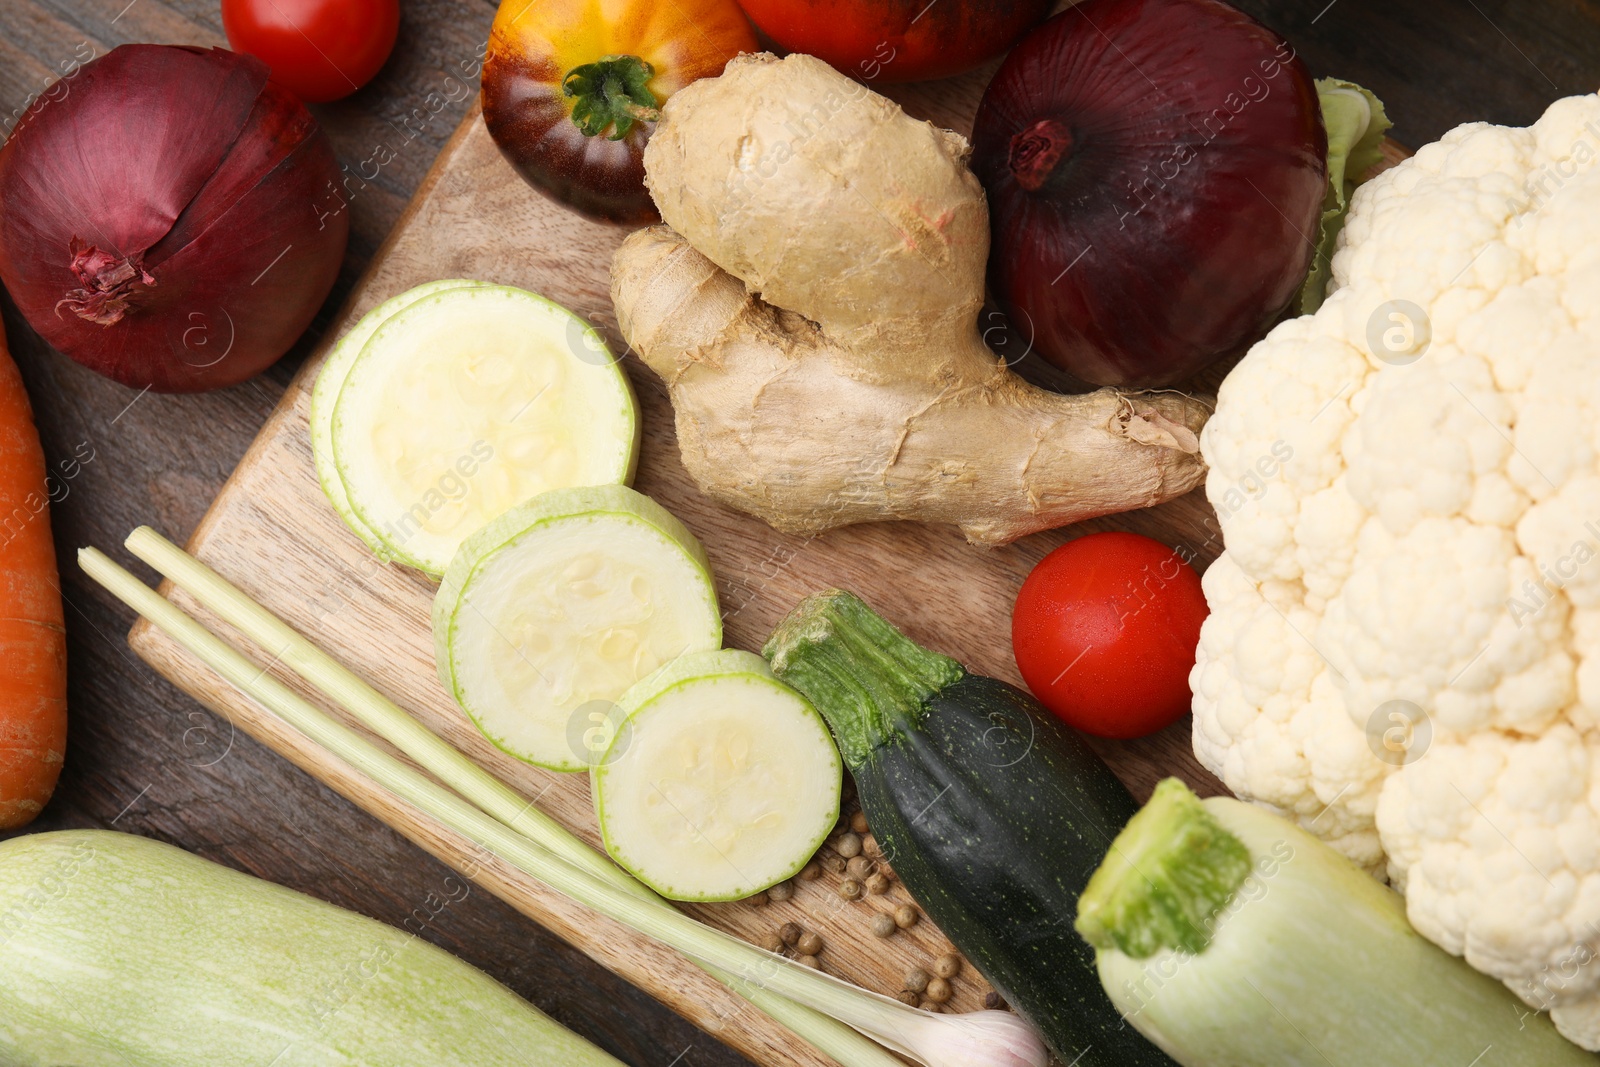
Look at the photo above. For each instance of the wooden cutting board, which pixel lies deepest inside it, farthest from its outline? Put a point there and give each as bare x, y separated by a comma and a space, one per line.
272, 533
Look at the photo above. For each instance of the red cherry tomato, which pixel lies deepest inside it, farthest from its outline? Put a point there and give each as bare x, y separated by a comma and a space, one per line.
897, 40
319, 50
1105, 631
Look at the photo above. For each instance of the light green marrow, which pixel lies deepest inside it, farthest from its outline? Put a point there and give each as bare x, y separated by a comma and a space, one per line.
1231, 938
552, 611
720, 781
464, 404
117, 951
325, 394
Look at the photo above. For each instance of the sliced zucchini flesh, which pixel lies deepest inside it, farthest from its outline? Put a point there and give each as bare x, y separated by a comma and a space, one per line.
721, 781
468, 402
325, 394
552, 611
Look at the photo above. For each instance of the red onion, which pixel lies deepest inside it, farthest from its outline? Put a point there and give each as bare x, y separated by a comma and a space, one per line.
1155, 170
174, 221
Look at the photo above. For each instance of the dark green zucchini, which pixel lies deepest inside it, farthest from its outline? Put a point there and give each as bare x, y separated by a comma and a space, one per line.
992, 813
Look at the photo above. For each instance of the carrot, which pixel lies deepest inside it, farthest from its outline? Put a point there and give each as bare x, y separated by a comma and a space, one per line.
33, 639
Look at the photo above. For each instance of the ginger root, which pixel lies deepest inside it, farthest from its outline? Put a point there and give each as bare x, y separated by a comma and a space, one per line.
813, 309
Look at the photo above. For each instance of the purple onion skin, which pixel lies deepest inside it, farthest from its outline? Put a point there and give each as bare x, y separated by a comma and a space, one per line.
173, 220
1155, 172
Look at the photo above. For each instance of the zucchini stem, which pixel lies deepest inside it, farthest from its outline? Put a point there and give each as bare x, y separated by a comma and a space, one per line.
869, 680
1168, 875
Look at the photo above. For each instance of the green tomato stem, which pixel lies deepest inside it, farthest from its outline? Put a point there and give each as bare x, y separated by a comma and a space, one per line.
611, 93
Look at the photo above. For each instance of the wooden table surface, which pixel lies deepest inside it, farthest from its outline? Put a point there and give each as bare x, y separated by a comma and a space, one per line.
146, 759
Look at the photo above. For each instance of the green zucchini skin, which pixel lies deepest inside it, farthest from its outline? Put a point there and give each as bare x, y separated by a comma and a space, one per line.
994, 816
117, 951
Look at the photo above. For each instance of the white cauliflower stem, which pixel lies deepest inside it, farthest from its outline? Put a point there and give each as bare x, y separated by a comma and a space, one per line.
1404, 647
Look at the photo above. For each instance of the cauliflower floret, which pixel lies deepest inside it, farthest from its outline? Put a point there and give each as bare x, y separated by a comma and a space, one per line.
1278, 733
1498, 839
1443, 416
1403, 652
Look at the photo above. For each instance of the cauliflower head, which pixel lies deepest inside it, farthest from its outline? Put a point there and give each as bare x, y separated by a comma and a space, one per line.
1403, 652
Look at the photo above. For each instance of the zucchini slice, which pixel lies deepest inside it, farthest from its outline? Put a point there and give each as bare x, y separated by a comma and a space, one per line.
325, 394
468, 402
552, 611
720, 782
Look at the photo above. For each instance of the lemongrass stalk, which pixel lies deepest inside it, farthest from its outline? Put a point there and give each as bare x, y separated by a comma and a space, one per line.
389, 721
374, 710
999, 1039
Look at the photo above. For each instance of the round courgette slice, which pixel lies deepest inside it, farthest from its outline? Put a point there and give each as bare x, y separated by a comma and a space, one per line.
551, 612
325, 394
720, 782
468, 402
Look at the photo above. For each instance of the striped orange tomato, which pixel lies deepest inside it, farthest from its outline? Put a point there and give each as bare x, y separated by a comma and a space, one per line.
572, 88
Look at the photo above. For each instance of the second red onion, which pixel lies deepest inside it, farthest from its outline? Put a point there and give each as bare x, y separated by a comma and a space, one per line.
1155, 170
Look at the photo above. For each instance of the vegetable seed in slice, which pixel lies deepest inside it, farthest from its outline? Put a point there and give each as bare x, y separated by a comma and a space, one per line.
469, 402
325, 393
552, 611
720, 782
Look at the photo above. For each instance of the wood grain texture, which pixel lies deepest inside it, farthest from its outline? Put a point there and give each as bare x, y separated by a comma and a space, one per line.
273, 533
145, 758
